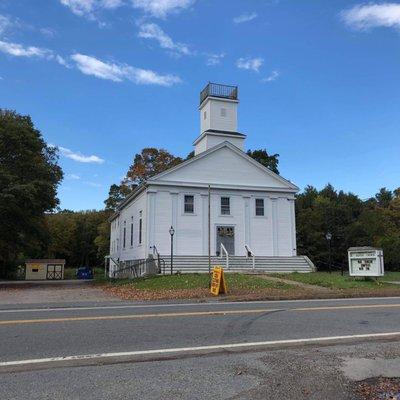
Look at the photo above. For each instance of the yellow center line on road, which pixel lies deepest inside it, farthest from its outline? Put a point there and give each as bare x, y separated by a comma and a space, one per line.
333, 308
193, 314
137, 316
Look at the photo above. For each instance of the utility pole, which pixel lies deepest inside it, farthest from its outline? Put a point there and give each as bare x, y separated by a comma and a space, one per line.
209, 232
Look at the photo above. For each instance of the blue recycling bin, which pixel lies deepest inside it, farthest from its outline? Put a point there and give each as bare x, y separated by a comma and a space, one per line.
84, 273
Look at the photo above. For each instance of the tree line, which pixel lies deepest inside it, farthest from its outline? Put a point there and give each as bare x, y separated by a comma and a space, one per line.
32, 225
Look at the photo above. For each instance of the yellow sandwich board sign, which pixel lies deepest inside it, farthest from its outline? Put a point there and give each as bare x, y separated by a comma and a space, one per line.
218, 284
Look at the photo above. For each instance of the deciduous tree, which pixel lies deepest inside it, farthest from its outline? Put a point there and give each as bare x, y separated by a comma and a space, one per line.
29, 176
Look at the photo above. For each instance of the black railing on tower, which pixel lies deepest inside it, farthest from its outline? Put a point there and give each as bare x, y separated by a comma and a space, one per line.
218, 90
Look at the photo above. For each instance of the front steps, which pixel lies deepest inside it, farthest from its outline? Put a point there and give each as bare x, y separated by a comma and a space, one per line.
187, 264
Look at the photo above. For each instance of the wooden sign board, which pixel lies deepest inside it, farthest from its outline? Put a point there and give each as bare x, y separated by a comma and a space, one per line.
218, 283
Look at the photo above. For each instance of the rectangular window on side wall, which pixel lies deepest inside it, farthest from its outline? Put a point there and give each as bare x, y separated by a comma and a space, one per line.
132, 233
189, 204
140, 227
225, 206
124, 238
259, 207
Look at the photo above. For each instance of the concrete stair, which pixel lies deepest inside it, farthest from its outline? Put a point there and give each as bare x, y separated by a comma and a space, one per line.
240, 264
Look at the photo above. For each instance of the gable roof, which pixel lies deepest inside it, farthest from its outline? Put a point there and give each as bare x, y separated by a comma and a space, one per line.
279, 182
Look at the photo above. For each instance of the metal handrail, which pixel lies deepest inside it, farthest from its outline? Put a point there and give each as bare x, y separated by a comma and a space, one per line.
222, 252
160, 260
334, 266
218, 90
250, 253
132, 269
115, 262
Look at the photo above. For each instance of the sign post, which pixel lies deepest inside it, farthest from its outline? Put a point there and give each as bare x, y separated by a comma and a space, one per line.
218, 283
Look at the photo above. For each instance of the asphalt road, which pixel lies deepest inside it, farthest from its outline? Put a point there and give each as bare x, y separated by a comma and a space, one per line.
193, 351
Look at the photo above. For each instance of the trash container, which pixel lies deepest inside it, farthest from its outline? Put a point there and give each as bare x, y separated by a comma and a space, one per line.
84, 273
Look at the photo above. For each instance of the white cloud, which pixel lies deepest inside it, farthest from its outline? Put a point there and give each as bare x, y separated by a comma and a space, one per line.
214, 59
18, 50
79, 157
49, 32
62, 61
372, 15
245, 17
248, 63
74, 177
153, 31
119, 72
88, 8
273, 76
5, 23
92, 66
161, 8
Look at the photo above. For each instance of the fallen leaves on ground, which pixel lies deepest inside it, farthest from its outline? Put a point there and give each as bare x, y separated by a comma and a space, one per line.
379, 389
127, 292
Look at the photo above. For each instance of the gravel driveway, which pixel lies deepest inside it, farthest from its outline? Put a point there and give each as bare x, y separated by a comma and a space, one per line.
51, 292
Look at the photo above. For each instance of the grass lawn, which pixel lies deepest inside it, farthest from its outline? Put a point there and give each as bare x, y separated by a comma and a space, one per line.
196, 286
336, 281
251, 287
196, 281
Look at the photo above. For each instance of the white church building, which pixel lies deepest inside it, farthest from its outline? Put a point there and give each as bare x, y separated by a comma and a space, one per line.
220, 198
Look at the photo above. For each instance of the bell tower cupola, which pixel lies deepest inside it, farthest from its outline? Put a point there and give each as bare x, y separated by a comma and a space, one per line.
218, 117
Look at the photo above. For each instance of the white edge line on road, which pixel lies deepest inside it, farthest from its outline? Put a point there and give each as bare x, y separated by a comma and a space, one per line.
194, 349
214, 303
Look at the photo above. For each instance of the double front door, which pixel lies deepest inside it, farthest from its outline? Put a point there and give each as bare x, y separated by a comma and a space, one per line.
54, 271
226, 236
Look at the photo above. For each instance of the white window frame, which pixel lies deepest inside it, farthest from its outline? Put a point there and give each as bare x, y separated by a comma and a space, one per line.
124, 236
263, 207
220, 206
140, 237
131, 231
184, 204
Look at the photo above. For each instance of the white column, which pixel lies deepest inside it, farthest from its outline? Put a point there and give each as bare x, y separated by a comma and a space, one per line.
293, 226
151, 220
174, 219
247, 231
275, 247
204, 220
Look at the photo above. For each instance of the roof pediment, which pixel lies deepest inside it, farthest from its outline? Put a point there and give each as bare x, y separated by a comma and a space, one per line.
224, 165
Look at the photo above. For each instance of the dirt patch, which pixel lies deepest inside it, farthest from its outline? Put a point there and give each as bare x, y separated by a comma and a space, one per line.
307, 286
379, 389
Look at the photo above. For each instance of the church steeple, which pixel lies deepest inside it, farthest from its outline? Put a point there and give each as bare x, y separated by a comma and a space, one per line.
218, 117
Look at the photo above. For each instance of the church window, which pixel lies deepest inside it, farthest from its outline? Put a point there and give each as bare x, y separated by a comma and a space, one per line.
189, 204
225, 206
131, 231
124, 243
140, 227
260, 207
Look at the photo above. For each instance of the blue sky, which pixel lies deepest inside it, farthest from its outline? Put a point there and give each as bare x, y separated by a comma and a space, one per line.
319, 83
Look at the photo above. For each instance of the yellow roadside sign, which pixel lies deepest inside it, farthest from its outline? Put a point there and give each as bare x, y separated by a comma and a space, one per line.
218, 284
